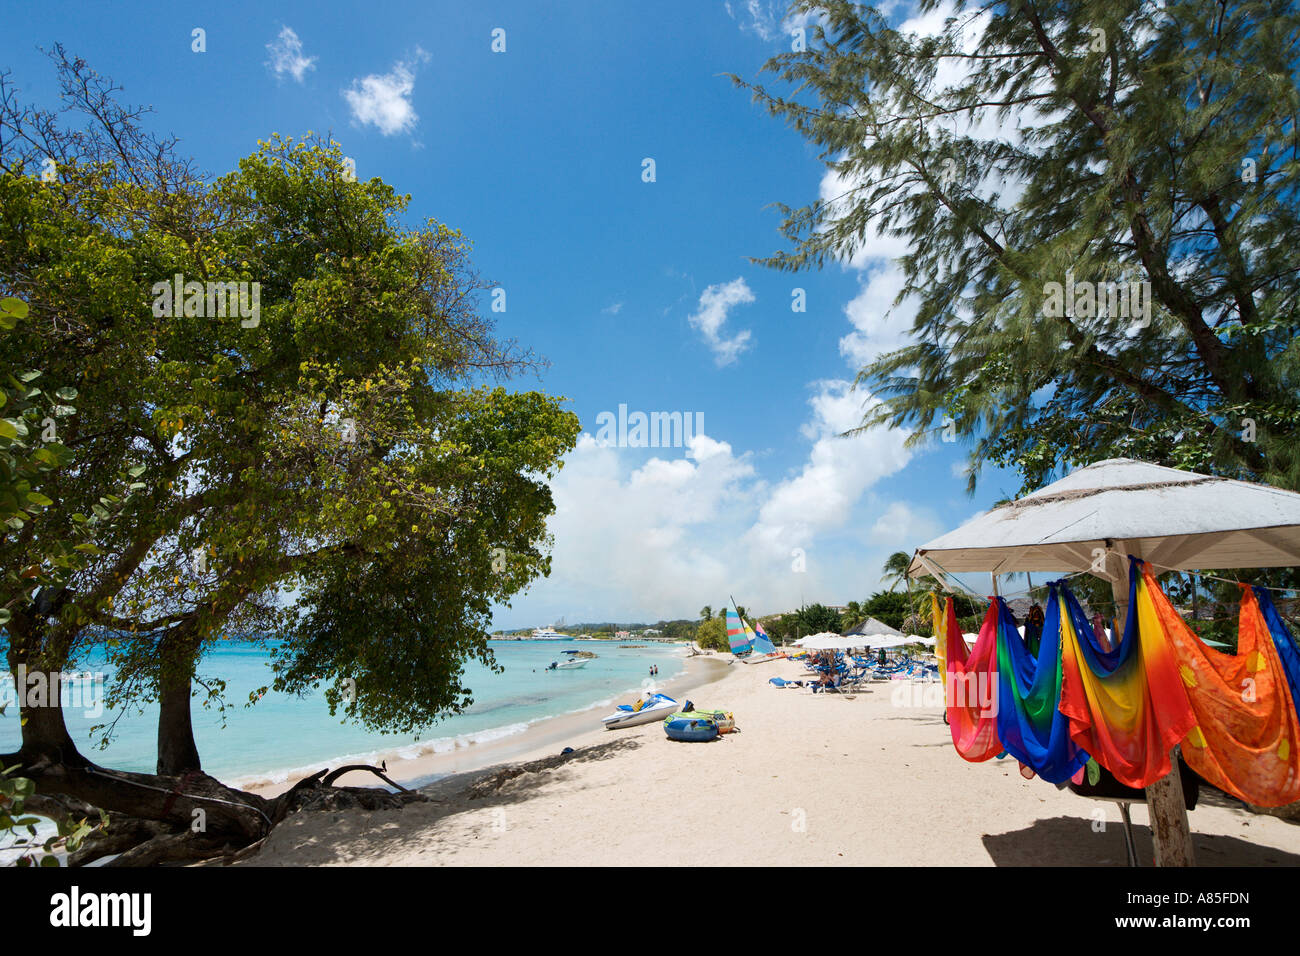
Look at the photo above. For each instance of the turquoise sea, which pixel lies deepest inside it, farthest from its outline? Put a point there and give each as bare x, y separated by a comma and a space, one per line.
281, 734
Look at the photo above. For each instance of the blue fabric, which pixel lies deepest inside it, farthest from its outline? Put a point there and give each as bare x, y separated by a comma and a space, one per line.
1031, 726
1283, 641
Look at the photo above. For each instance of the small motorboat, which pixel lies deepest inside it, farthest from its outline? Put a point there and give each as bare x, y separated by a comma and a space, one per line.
648, 708
691, 727
575, 659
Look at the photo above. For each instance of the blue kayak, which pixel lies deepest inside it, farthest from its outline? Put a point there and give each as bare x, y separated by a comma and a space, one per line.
690, 729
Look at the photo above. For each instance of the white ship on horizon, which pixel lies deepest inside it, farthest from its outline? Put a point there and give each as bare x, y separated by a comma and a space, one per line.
548, 634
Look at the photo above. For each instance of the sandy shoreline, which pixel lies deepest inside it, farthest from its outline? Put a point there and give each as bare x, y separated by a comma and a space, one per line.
808, 780
551, 734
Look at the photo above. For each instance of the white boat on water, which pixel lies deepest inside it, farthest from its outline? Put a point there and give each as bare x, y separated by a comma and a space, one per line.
547, 634
648, 707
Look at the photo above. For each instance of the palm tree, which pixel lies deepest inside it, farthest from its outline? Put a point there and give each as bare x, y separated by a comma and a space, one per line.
852, 616
706, 612
740, 610
896, 569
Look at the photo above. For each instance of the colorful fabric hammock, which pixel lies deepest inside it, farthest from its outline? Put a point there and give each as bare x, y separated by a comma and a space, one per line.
1283, 642
1127, 707
1030, 723
1246, 740
970, 685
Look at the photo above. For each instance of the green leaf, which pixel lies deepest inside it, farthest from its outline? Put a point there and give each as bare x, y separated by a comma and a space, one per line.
13, 307
36, 498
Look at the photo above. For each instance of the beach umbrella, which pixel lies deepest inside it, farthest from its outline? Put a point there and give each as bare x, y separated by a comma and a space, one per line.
1092, 518
829, 641
803, 641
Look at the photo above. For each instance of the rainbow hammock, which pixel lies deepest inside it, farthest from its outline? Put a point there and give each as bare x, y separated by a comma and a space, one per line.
1126, 706
1002, 698
1235, 714
1030, 723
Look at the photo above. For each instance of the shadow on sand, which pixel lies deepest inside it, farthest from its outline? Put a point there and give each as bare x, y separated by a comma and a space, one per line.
1071, 841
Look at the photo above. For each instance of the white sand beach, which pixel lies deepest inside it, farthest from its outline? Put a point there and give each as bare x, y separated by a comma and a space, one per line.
865, 779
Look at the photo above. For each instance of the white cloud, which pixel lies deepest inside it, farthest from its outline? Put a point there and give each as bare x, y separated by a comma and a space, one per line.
715, 302
613, 309
901, 522
641, 538
766, 19
821, 497
384, 100
286, 56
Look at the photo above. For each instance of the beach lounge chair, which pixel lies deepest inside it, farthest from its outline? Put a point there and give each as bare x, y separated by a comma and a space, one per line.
779, 682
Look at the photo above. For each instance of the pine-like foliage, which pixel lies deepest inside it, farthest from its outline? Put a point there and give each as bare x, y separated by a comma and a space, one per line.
1029, 143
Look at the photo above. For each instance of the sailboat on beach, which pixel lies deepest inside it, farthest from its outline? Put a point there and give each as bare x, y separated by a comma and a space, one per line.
751, 646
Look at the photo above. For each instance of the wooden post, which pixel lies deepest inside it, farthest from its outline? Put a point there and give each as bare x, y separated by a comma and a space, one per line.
1166, 808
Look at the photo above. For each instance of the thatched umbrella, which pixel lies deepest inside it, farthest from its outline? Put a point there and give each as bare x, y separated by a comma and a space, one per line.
1092, 518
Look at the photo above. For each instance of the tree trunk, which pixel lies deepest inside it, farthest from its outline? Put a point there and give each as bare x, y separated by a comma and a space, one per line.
45, 734
177, 752
40, 703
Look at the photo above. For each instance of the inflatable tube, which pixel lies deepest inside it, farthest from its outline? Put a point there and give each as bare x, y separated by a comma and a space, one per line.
690, 729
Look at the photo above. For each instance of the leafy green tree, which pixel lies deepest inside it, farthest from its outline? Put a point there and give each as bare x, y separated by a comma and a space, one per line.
706, 612
345, 444
1144, 144
816, 618
888, 607
712, 635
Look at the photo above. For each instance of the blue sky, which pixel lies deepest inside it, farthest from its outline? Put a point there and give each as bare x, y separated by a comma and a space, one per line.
638, 293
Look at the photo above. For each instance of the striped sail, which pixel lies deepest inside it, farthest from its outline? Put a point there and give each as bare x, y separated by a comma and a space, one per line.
739, 636
762, 644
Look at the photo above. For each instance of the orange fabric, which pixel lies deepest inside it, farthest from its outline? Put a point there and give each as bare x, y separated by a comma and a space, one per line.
1247, 737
